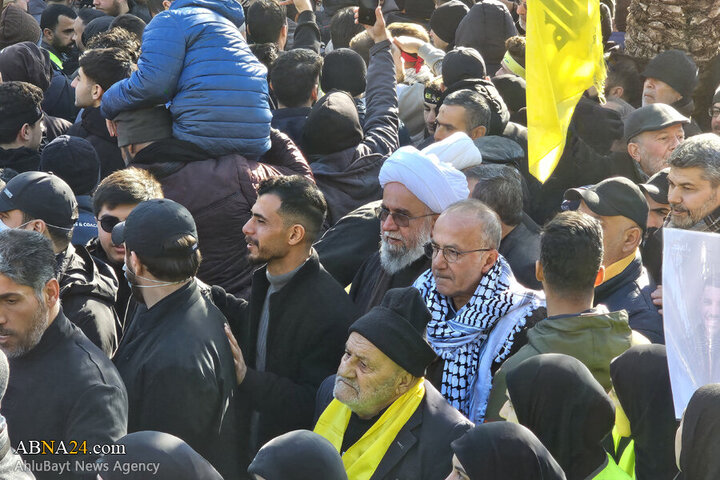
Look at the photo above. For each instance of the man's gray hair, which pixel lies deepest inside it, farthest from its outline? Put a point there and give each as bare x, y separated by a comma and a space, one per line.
477, 109
27, 258
702, 151
500, 187
491, 231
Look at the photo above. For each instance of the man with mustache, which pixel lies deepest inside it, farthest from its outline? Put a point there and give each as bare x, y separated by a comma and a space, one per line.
385, 419
416, 189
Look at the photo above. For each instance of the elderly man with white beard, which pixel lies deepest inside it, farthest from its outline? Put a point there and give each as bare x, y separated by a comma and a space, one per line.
416, 188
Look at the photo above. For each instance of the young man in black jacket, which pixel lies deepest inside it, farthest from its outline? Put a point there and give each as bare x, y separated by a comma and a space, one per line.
62, 388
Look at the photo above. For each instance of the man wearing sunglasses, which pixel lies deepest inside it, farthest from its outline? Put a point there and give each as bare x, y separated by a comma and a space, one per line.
479, 311
416, 189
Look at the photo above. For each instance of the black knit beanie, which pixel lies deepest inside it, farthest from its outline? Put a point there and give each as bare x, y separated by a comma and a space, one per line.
446, 18
397, 328
462, 63
675, 68
344, 69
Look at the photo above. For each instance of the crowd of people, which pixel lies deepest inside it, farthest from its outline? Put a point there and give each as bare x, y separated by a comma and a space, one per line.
261, 240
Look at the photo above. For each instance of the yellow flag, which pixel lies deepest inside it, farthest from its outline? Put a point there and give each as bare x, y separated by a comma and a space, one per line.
564, 57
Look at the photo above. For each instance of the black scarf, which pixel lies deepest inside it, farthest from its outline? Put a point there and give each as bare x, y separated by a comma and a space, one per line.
699, 459
505, 450
557, 398
642, 383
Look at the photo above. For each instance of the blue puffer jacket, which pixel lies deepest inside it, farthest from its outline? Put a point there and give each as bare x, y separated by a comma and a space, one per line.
194, 57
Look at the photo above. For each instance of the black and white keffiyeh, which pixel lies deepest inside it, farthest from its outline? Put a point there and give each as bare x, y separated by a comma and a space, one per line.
482, 332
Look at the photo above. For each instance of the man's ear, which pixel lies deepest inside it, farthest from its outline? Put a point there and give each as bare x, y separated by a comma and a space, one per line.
616, 91
97, 92
490, 260
478, 132
296, 235
600, 277
166, 4
135, 265
633, 238
314, 93
48, 34
539, 273
51, 292
634, 151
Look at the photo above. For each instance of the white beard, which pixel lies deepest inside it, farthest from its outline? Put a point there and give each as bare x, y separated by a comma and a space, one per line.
394, 259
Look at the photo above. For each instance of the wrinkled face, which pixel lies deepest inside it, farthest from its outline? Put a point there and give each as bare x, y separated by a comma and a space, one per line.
109, 217
458, 471
23, 317
614, 229
654, 148
367, 380
657, 91
265, 233
710, 307
691, 196
84, 90
401, 246
459, 280
79, 28
715, 122
109, 7
429, 116
64, 34
450, 119
657, 213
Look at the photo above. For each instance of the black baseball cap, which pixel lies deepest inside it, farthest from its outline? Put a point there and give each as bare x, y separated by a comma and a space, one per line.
41, 195
652, 118
617, 196
152, 226
657, 186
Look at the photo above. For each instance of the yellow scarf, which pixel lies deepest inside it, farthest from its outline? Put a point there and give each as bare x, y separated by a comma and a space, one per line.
365, 455
618, 267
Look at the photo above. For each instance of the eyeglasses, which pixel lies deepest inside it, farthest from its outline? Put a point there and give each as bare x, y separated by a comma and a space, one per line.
713, 112
449, 254
108, 222
400, 219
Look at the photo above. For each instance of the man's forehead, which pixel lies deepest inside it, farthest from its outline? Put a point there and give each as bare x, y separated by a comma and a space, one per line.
693, 175
677, 128
9, 286
362, 347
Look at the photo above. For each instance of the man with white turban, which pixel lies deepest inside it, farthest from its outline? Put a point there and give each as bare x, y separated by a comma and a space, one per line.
416, 188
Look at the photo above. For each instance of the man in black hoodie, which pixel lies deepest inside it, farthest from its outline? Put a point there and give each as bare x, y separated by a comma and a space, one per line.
21, 126
346, 158
99, 70
44, 203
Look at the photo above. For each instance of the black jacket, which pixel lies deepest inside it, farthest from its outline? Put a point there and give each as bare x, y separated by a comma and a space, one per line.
123, 293
88, 291
308, 325
349, 177
92, 128
291, 122
178, 368
630, 290
421, 450
64, 389
21, 159
521, 248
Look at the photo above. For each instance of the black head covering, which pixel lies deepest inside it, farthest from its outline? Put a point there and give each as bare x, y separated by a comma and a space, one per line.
397, 328
298, 455
506, 451
512, 89
699, 459
676, 68
486, 27
344, 69
73, 159
178, 461
98, 25
642, 383
461, 63
557, 398
446, 18
333, 125
26, 62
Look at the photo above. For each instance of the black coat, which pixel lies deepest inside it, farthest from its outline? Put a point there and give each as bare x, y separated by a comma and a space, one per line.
630, 290
308, 325
178, 368
64, 389
123, 293
421, 450
20, 159
521, 248
88, 290
92, 127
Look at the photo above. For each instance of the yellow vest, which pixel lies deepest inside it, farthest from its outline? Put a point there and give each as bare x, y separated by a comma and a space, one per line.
55, 59
612, 472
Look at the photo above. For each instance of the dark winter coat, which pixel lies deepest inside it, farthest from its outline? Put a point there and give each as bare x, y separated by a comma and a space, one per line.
20, 159
92, 128
521, 248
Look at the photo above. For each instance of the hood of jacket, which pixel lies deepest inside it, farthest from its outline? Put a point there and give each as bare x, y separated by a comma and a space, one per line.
80, 275
165, 157
230, 9
485, 28
333, 125
93, 121
21, 159
594, 338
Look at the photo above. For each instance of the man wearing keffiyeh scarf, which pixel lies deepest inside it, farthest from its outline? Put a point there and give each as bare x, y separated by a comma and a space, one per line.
477, 306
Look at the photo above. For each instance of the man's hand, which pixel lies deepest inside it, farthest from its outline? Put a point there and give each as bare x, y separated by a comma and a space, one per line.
379, 31
408, 44
112, 128
240, 367
657, 298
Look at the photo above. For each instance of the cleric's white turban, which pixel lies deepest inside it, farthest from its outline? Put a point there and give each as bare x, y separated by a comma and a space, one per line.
458, 150
437, 184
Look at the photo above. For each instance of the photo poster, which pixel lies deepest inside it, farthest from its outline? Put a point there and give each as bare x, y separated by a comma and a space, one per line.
691, 311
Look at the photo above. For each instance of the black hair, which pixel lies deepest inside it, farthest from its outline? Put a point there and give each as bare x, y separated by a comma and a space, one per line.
59, 235
293, 76
624, 72
266, 53
131, 23
477, 109
176, 267
21, 102
117, 38
571, 252
301, 202
126, 187
155, 7
106, 66
89, 14
343, 27
51, 14
265, 19
500, 188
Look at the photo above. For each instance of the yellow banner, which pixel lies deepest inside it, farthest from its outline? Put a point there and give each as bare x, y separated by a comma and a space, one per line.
564, 57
